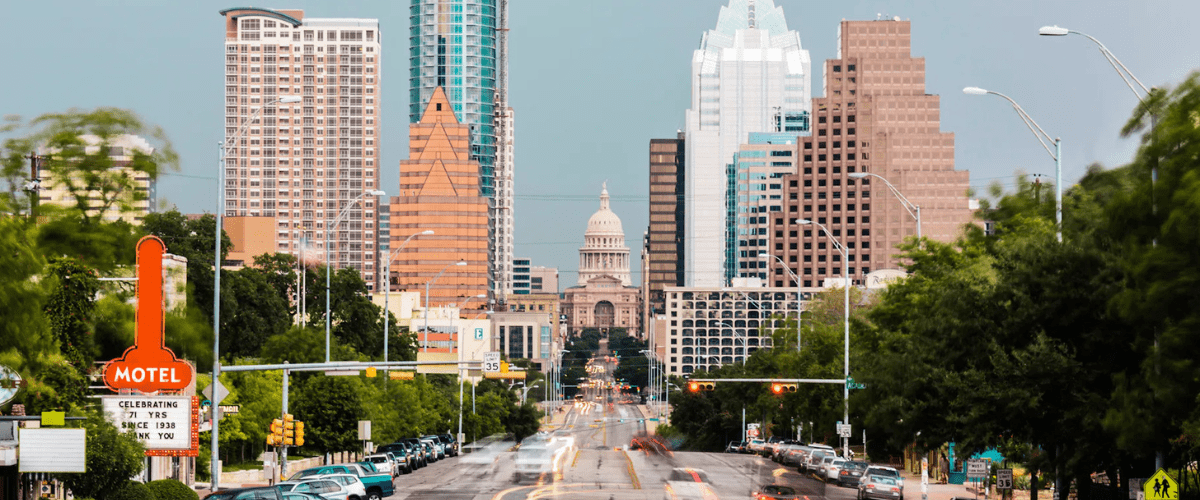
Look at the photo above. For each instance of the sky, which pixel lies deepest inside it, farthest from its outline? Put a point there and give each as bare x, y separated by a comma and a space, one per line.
592, 81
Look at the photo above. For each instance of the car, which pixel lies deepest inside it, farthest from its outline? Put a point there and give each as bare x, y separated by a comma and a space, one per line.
297, 495
354, 485
438, 448
775, 492
733, 447
813, 462
796, 456
755, 446
377, 485
451, 444
259, 493
832, 469
325, 488
879, 470
822, 466
383, 463
879, 488
688, 484
406, 454
851, 472
417, 449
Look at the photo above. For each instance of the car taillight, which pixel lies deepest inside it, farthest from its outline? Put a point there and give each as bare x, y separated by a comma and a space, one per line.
844, 473
895, 488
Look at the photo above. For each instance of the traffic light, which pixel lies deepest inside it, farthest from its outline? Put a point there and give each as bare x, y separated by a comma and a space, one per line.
275, 433
694, 386
299, 433
701, 386
780, 389
289, 430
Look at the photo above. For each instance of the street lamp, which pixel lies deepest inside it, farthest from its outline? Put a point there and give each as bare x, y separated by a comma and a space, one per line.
460, 375
846, 362
328, 270
799, 293
388, 289
216, 370
1039, 134
425, 342
742, 335
1127, 77
912, 208
525, 391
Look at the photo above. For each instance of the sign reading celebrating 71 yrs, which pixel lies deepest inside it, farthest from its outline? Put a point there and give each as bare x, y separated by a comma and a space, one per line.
160, 422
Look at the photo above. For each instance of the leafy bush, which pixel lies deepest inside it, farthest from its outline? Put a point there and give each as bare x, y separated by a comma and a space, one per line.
132, 491
170, 489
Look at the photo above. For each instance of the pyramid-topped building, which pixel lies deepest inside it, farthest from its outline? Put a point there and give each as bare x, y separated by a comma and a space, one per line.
439, 191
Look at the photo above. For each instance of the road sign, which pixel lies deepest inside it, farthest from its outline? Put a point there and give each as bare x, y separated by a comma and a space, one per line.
220, 395
844, 430
1004, 479
977, 469
1161, 486
491, 362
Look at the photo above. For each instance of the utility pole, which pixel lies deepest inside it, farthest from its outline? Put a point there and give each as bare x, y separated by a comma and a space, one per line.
34, 185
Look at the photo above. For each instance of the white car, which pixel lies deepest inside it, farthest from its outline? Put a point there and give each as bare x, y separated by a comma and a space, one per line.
352, 484
383, 463
324, 488
833, 468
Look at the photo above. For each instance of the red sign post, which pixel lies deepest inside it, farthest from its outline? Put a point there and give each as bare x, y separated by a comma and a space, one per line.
148, 366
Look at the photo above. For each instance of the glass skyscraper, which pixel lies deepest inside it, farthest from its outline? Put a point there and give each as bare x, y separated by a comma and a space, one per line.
453, 44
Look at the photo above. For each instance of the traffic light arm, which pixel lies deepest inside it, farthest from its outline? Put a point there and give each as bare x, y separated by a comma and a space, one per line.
774, 380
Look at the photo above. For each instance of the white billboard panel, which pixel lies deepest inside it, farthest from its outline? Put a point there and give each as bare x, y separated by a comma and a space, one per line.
52, 450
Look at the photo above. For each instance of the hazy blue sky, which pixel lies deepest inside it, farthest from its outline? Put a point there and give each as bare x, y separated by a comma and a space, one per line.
592, 81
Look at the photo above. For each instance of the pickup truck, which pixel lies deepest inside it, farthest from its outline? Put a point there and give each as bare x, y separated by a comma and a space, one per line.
377, 485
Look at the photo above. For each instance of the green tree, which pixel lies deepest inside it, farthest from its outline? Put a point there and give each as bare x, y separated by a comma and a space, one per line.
69, 309
330, 408
112, 458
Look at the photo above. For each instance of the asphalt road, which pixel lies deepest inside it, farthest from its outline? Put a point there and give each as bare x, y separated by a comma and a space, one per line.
600, 467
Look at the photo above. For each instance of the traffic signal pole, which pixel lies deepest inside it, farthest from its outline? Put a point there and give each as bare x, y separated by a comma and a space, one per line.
283, 449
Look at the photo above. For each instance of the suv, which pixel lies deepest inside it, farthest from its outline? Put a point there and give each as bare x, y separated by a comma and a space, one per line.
417, 450
407, 459
383, 463
813, 458
879, 470
451, 444
439, 449
261, 493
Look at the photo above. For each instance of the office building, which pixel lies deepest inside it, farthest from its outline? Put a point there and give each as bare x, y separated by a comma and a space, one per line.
663, 249
439, 191
755, 189
875, 117
461, 47
303, 165
750, 74
522, 281
543, 279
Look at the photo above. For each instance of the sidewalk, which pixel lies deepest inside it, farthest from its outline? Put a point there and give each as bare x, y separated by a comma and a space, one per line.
937, 491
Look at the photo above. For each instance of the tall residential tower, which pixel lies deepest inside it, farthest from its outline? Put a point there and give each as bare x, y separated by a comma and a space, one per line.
459, 45
750, 74
304, 164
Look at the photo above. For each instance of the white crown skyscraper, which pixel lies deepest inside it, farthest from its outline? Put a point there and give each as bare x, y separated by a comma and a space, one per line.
750, 74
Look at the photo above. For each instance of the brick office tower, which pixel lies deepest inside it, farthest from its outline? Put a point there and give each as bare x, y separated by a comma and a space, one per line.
877, 118
439, 191
303, 164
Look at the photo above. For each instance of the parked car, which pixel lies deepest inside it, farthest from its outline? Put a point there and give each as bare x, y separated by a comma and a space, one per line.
358, 491
822, 466
418, 448
775, 492
451, 444
796, 456
851, 472
813, 463
879, 470
777, 454
377, 485
755, 446
438, 448
383, 463
832, 469
879, 488
259, 493
297, 495
325, 488
733, 447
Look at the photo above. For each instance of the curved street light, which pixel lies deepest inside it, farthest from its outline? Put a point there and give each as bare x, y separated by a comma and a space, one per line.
387, 267
799, 293
216, 369
1042, 138
846, 362
912, 208
328, 270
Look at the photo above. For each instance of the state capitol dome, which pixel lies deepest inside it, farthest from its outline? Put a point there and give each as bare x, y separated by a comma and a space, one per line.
604, 252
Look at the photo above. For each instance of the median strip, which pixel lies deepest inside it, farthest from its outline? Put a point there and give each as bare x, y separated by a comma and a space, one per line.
633, 477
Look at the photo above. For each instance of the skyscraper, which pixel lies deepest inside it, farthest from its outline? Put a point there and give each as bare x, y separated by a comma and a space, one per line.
303, 164
439, 191
459, 45
750, 74
876, 117
663, 265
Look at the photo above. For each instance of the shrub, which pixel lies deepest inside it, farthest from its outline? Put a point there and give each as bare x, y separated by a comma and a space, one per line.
132, 490
170, 489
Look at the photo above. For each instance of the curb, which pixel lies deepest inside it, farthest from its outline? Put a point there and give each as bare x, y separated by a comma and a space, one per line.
637, 484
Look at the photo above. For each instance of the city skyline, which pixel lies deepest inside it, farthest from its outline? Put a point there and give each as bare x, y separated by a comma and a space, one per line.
1062, 82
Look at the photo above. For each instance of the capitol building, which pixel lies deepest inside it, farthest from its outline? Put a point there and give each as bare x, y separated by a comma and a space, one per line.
603, 298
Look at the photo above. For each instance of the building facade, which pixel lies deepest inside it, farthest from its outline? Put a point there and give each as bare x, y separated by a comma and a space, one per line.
303, 165
877, 118
664, 245
750, 74
755, 190
130, 206
543, 279
522, 281
439, 191
460, 46
603, 297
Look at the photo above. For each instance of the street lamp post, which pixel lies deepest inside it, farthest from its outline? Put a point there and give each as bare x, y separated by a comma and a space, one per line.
425, 342
846, 361
328, 270
460, 375
1039, 134
912, 208
741, 335
216, 369
799, 292
387, 290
